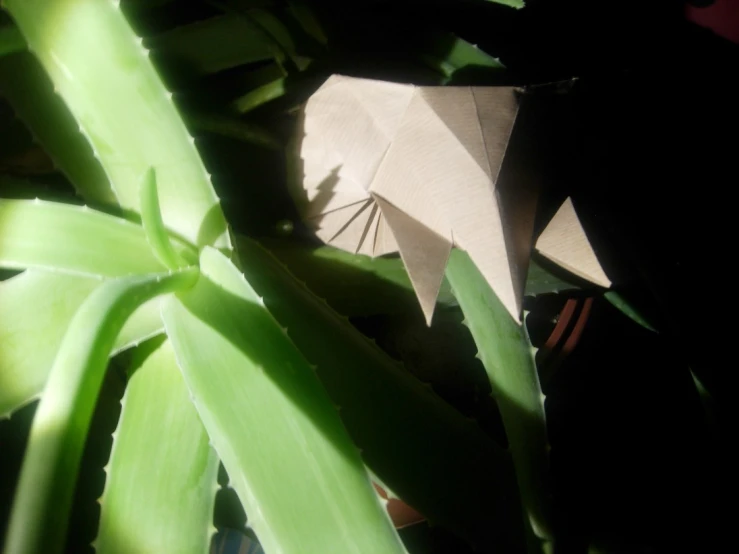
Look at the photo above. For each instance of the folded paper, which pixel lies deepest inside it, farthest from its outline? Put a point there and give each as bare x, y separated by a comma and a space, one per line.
565, 243
390, 167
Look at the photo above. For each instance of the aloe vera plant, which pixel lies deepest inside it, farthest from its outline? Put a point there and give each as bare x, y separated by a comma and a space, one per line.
229, 357
227, 381
148, 158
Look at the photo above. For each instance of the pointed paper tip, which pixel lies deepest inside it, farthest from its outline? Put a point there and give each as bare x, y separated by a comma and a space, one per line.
424, 253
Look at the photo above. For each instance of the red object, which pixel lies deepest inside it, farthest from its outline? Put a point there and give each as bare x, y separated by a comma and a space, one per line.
722, 17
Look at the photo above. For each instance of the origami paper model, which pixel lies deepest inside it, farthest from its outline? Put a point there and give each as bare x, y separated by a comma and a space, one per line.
391, 167
565, 243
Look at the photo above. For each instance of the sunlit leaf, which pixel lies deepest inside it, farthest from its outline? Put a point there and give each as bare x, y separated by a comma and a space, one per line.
71, 239
161, 477
111, 87
11, 41
438, 461
508, 359
35, 310
296, 472
151, 217
27, 88
44, 494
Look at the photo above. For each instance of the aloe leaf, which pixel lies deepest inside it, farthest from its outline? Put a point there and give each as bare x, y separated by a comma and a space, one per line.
308, 20
231, 127
151, 217
432, 457
511, 3
210, 46
507, 356
50, 466
110, 85
626, 307
36, 308
159, 434
260, 95
353, 284
540, 280
28, 89
448, 54
71, 239
358, 285
11, 41
294, 468
145, 323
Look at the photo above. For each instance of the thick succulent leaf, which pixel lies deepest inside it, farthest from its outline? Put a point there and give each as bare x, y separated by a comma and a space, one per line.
297, 473
260, 96
201, 48
151, 217
71, 239
145, 323
11, 41
450, 55
629, 309
35, 310
432, 457
507, 355
358, 285
511, 3
161, 477
110, 85
44, 494
540, 280
234, 128
354, 285
308, 20
28, 89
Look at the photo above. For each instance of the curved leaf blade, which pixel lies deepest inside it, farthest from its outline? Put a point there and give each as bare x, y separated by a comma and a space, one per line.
112, 89
159, 434
426, 452
298, 475
48, 476
507, 356
35, 310
11, 41
28, 89
71, 239
151, 217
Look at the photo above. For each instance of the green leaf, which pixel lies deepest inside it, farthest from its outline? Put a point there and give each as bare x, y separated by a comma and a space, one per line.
210, 46
151, 217
71, 239
159, 434
540, 280
626, 307
294, 468
11, 41
352, 284
231, 127
36, 308
512, 3
44, 494
260, 95
427, 453
110, 85
448, 54
507, 356
27, 88
308, 20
